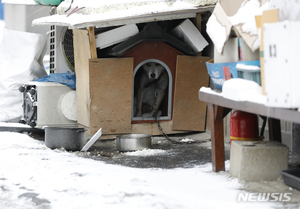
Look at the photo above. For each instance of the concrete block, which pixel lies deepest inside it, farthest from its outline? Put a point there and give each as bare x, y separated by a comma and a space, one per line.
256, 161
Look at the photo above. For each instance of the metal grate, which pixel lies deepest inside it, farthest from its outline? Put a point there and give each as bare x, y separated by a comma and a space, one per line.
67, 47
52, 49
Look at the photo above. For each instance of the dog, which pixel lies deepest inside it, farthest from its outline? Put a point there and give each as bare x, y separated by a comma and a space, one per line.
151, 84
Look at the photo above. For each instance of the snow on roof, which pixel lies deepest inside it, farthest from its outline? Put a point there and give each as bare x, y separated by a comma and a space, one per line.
118, 12
100, 7
23, 2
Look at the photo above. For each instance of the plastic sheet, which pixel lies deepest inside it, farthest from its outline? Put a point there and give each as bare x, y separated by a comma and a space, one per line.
68, 79
21, 61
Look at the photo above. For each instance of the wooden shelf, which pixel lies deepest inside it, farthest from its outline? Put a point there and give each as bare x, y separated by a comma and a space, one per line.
219, 107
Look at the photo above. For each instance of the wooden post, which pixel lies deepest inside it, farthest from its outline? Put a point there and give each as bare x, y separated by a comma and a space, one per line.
274, 129
92, 39
217, 137
295, 145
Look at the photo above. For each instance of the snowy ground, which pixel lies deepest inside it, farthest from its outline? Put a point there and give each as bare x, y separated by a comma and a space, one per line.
2, 24
34, 176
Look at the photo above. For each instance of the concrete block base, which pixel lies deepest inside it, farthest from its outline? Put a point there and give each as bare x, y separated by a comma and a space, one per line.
256, 161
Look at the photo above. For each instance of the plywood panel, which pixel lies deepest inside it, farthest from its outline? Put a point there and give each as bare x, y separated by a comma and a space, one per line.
188, 112
111, 95
82, 56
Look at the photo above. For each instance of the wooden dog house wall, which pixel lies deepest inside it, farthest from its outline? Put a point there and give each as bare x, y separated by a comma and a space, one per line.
104, 88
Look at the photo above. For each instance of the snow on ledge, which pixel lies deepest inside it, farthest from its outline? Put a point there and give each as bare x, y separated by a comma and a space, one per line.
239, 90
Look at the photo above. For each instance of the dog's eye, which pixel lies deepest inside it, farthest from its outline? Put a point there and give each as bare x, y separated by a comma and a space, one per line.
148, 64
157, 64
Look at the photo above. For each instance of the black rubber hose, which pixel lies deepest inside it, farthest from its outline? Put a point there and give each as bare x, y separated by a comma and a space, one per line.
69, 6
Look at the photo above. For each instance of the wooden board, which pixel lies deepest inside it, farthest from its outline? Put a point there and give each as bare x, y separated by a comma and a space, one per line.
111, 95
188, 112
93, 49
82, 56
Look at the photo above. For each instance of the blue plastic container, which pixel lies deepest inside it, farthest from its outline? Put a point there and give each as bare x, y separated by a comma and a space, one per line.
1, 11
219, 72
251, 74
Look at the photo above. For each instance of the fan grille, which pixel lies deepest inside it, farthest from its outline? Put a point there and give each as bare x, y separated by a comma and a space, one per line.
67, 47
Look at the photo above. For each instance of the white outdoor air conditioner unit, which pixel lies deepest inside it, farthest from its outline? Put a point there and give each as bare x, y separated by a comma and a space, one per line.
61, 49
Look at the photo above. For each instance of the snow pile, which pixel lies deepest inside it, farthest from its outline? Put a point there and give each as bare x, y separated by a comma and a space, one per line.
33, 176
238, 89
2, 25
147, 152
219, 30
186, 140
246, 16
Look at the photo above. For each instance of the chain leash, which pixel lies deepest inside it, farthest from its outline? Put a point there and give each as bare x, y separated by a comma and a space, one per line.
164, 134
158, 124
161, 129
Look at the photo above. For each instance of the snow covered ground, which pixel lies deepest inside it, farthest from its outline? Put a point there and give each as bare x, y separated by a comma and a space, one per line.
34, 176
2, 24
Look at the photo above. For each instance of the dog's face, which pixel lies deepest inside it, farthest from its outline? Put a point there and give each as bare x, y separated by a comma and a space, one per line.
153, 69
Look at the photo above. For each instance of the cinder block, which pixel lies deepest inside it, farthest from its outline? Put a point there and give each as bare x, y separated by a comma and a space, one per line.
256, 161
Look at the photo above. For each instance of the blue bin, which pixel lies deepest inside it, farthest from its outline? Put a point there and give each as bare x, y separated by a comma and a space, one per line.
1, 11
217, 71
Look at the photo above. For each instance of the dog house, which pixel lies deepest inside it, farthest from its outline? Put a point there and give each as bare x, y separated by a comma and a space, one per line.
163, 54
105, 88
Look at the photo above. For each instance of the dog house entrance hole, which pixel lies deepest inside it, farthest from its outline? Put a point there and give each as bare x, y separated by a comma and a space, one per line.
149, 83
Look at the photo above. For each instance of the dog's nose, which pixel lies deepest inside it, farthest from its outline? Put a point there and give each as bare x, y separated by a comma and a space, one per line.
152, 75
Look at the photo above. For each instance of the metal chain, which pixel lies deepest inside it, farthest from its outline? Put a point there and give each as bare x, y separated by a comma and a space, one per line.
160, 128
164, 134
168, 138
